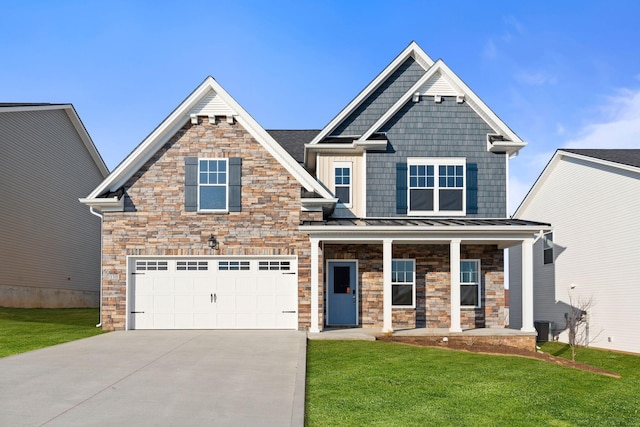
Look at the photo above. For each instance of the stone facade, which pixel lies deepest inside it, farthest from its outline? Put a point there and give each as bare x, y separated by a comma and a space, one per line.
155, 221
432, 285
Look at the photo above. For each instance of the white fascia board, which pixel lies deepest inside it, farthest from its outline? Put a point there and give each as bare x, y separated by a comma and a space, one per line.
400, 102
316, 205
179, 117
112, 204
470, 97
413, 50
535, 188
508, 147
19, 108
75, 121
86, 140
479, 106
599, 161
151, 143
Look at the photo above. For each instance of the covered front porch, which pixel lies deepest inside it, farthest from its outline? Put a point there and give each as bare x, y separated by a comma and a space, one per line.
433, 250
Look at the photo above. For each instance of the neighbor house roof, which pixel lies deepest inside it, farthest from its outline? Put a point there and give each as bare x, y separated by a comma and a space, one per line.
630, 157
625, 159
15, 107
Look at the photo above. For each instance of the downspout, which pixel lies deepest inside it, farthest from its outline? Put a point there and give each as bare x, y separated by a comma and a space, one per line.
101, 219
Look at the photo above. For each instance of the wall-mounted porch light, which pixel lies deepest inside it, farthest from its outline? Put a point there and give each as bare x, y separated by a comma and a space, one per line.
212, 242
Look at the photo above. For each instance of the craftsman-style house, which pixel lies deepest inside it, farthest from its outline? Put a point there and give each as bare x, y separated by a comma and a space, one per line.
393, 216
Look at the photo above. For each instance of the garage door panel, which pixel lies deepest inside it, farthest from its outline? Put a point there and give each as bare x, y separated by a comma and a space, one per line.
208, 298
163, 285
184, 303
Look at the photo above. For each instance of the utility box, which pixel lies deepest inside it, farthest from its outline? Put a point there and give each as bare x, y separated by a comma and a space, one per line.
544, 330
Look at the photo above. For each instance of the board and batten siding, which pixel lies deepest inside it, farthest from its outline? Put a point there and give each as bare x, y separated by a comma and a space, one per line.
325, 172
50, 246
593, 209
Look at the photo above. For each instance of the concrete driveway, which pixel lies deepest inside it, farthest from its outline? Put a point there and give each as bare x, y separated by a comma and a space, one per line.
159, 378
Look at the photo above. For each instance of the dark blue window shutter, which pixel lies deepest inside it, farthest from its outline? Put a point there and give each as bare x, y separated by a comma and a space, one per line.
401, 188
191, 184
472, 188
235, 174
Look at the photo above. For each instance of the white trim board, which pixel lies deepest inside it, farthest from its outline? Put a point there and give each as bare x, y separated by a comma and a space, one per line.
179, 117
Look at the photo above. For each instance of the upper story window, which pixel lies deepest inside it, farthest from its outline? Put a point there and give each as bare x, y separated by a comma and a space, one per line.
342, 182
213, 185
436, 186
547, 248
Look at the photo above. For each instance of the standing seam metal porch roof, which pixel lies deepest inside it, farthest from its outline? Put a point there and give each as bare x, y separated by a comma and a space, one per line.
425, 222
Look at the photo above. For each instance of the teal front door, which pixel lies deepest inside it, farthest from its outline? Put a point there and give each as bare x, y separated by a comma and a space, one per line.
342, 293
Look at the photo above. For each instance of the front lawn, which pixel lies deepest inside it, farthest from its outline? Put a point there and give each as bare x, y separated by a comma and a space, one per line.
25, 329
361, 383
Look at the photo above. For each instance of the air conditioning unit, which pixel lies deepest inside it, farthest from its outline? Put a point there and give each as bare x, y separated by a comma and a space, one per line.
544, 328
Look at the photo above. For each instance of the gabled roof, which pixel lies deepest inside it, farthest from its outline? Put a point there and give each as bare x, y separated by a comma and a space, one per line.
625, 159
207, 99
16, 107
438, 80
412, 51
629, 157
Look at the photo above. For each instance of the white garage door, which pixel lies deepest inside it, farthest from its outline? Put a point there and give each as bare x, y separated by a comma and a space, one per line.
238, 293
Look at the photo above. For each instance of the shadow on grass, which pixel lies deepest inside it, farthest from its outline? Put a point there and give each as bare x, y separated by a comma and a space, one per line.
562, 350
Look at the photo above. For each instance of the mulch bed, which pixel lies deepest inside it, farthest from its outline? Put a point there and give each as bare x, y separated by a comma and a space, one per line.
484, 348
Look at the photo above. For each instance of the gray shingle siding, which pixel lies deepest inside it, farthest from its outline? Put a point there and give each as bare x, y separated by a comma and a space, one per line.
381, 99
429, 129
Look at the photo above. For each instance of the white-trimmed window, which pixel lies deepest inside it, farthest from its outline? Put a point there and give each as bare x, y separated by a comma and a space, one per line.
470, 283
342, 182
403, 283
213, 188
436, 186
547, 248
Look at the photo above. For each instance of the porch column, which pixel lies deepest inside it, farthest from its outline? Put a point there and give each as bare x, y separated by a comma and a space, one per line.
527, 286
314, 286
387, 255
454, 258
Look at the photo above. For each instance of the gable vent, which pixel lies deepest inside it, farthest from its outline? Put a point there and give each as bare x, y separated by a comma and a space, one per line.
438, 85
211, 105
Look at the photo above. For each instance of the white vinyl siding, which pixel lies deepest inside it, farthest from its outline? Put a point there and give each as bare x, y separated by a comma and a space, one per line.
50, 242
594, 210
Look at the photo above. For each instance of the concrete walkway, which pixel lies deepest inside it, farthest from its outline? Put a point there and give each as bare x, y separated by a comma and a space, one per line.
159, 378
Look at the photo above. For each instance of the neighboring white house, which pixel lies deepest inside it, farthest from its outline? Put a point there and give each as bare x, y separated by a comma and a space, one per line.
49, 242
592, 200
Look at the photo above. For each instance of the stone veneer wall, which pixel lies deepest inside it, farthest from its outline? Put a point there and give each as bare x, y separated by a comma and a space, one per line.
432, 285
155, 222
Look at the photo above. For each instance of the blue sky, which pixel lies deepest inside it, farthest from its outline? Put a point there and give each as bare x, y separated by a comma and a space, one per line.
560, 74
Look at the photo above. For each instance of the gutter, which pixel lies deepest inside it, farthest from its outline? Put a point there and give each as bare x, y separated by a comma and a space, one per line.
101, 219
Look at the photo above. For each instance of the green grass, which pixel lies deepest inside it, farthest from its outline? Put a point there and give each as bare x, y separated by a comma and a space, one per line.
25, 329
359, 383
